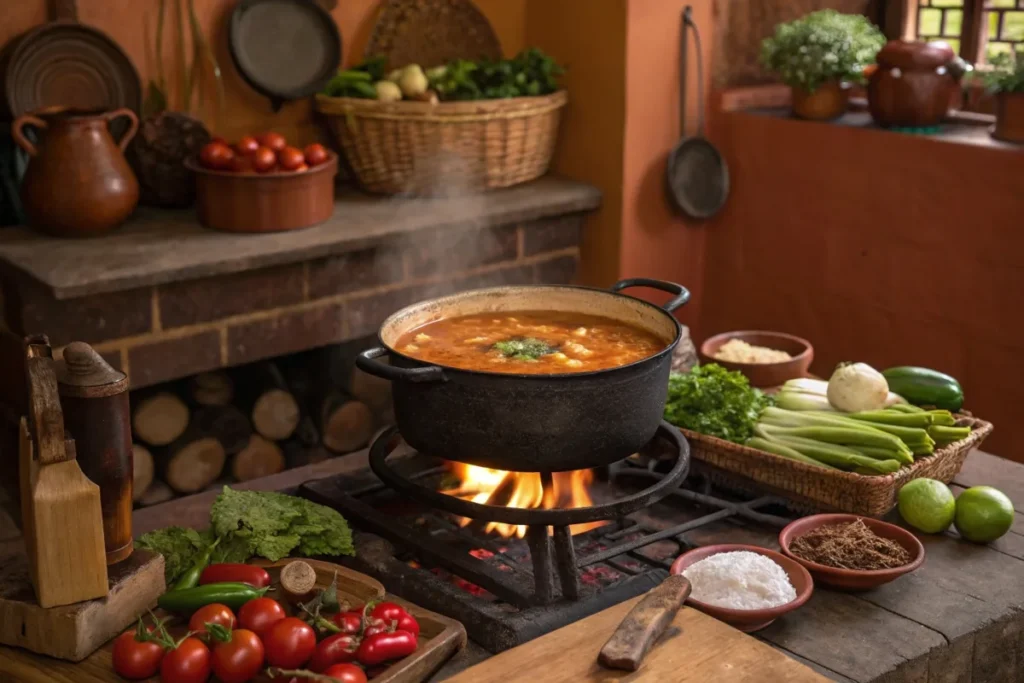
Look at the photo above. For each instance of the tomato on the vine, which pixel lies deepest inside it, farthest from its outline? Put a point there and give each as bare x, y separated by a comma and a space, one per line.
289, 643
349, 622
238, 658
259, 615
274, 141
393, 613
215, 613
315, 154
136, 659
336, 649
346, 673
189, 662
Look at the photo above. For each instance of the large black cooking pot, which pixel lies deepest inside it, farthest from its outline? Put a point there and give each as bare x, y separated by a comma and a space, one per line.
531, 423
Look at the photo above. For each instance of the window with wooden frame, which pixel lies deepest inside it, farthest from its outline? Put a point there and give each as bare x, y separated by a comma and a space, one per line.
976, 29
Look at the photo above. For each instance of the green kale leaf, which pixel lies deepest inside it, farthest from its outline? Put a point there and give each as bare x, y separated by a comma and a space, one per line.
178, 545
524, 348
323, 531
711, 400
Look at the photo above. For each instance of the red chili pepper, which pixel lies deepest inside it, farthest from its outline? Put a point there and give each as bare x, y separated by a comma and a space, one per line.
337, 649
395, 614
235, 573
384, 647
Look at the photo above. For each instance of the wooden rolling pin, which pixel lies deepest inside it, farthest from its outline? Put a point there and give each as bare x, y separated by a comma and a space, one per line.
644, 624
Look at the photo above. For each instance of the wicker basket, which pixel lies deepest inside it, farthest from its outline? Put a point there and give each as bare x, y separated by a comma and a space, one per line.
449, 148
833, 490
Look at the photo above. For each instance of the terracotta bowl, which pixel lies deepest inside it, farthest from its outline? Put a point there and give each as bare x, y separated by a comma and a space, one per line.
753, 619
853, 579
764, 375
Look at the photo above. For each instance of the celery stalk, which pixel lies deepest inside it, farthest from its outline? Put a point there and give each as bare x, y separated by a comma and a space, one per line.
905, 408
897, 419
799, 400
946, 435
837, 458
942, 418
785, 451
841, 435
810, 386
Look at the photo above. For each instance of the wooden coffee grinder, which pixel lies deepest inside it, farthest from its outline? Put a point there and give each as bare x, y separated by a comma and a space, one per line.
61, 518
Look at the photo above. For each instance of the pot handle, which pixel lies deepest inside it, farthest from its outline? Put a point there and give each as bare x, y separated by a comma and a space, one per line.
682, 295
19, 135
366, 362
133, 124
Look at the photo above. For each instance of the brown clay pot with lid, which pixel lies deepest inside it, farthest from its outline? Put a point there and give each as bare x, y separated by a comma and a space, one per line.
914, 83
78, 182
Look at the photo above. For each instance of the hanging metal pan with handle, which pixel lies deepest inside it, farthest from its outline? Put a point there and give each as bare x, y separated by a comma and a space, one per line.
697, 176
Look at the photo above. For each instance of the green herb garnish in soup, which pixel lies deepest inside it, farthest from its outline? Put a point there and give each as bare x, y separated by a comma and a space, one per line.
527, 348
530, 342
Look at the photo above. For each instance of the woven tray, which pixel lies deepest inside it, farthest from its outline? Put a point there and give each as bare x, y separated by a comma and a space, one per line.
833, 490
431, 33
450, 148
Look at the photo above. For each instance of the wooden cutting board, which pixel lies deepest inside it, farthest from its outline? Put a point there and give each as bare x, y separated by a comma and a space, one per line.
695, 647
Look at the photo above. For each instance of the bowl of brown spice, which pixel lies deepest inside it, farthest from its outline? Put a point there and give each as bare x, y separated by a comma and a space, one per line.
851, 552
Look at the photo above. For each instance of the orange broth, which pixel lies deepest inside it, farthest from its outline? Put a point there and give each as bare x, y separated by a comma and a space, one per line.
529, 342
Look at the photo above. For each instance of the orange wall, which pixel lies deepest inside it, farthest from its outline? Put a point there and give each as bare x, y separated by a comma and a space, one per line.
656, 241
132, 24
589, 37
908, 251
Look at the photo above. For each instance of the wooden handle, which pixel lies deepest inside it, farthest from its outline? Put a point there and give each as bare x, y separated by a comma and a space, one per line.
133, 125
64, 10
644, 625
19, 135
46, 421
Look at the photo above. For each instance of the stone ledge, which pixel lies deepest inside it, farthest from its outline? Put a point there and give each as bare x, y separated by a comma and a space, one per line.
162, 247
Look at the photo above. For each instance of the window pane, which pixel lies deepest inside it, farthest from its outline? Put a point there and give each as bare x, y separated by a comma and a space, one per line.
999, 3
947, 3
992, 49
929, 21
993, 25
1013, 26
954, 22
955, 45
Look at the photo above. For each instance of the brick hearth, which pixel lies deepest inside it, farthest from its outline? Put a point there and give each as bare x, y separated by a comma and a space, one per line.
163, 299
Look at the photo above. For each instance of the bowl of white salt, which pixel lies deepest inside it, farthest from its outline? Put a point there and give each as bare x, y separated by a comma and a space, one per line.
743, 585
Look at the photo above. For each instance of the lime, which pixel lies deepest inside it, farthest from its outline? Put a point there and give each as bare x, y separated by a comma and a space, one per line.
927, 505
983, 514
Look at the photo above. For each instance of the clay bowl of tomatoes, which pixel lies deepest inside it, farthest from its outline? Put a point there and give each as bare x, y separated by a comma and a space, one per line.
263, 184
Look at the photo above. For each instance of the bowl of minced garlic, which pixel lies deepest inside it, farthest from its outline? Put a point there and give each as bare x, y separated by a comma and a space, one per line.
767, 359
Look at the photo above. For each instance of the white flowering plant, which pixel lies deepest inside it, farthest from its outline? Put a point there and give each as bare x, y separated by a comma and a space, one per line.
821, 47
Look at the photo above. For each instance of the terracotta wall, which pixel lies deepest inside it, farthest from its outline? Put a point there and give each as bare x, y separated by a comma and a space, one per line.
132, 24
876, 246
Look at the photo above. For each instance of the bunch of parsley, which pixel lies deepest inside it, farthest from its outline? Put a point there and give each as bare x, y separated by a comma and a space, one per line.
251, 523
711, 400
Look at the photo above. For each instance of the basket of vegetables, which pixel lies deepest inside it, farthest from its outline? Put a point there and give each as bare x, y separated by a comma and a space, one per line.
458, 128
845, 445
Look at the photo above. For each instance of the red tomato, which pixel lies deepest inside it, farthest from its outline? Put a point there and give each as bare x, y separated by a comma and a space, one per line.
219, 139
242, 164
290, 158
211, 614
274, 141
349, 622
216, 155
346, 673
336, 649
240, 573
289, 643
263, 160
239, 659
247, 145
315, 154
384, 647
391, 612
372, 627
187, 663
135, 659
259, 615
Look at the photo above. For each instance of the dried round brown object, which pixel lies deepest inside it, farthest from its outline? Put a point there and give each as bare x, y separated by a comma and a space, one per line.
849, 545
298, 581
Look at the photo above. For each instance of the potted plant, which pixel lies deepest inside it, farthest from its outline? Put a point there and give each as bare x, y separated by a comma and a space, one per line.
1005, 80
818, 55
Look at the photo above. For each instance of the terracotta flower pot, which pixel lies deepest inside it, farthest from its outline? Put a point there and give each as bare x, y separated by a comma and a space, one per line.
1009, 117
824, 104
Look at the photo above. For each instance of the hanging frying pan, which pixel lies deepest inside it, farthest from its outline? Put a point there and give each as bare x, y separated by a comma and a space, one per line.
284, 49
696, 174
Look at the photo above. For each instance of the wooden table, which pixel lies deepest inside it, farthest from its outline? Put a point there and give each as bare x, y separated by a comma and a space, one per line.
958, 618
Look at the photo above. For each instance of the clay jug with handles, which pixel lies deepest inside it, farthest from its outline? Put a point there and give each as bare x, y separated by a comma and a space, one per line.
78, 182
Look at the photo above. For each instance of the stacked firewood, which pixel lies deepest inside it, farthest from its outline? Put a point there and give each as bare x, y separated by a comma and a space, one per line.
254, 421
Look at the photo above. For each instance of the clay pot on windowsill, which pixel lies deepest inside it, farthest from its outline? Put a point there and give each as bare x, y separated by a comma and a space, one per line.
1009, 117
827, 102
914, 83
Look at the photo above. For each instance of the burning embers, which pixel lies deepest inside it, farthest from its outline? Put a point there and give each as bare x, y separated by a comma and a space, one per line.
522, 490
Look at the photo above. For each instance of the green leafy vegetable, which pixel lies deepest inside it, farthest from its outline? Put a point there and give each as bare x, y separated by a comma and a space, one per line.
1006, 74
248, 523
178, 545
524, 348
711, 400
528, 74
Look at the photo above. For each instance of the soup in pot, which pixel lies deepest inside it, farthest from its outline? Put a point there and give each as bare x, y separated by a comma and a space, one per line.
529, 342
